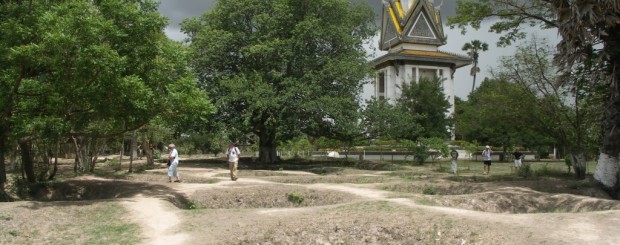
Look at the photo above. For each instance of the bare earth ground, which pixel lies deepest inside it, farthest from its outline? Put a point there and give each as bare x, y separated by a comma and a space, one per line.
344, 207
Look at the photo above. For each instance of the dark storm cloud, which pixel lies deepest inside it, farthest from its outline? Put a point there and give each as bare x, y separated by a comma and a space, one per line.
177, 10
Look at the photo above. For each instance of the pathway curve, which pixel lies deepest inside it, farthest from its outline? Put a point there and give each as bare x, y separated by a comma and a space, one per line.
160, 221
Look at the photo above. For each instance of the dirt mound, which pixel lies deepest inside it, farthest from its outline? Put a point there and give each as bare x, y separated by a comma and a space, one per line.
510, 197
375, 222
518, 200
267, 196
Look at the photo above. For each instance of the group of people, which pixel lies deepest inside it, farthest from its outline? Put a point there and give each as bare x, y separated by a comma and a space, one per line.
486, 160
232, 154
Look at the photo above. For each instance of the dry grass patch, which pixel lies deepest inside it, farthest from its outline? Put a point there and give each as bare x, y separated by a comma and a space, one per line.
374, 222
160, 177
266, 196
66, 222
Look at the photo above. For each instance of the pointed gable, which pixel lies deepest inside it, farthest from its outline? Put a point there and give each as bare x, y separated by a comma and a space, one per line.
421, 28
389, 35
418, 23
424, 25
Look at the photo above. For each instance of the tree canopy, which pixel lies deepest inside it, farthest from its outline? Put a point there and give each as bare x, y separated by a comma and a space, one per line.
278, 68
87, 71
590, 31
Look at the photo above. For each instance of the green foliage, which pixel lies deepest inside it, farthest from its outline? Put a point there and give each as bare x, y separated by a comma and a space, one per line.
78, 69
501, 113
295, 197
156, 154
525, 170
426, 100
191, 204
297, 146
436, 146
421, 153
511, 17
429, 190
280, 68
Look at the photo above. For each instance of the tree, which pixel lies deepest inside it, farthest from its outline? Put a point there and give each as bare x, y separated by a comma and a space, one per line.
382, 120
563, 111
278, 68
86, 71
498, 113
590, 31
426, 100
474, 47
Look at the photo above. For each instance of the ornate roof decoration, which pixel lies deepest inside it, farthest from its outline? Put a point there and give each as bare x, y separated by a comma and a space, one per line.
419, 23
421, 56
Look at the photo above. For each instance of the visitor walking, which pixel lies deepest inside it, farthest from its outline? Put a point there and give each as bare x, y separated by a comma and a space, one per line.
173, 159
486, 157
455, 155
517, 154
232, 153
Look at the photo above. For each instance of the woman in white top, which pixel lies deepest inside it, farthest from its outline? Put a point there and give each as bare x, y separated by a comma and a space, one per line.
174, 162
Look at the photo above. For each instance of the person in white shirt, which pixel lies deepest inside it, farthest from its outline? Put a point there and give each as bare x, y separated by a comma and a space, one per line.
232, 153
486, 157
173, 158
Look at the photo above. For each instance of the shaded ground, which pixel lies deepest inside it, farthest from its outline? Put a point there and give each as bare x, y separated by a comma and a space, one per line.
343, 203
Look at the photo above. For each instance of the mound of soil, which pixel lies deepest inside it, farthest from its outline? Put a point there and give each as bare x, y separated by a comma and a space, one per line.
523, 201
267, 196
510, 197
375, 222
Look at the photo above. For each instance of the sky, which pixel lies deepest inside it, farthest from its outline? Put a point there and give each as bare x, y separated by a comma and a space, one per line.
177, 10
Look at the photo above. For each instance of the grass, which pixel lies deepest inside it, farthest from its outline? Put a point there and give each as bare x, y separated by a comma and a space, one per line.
62, 223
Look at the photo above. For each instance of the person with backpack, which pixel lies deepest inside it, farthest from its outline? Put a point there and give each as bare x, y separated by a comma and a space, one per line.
232, 153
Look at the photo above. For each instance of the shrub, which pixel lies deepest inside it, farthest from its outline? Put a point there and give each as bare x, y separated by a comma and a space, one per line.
525, 170
429, 190
156, 154
295, 197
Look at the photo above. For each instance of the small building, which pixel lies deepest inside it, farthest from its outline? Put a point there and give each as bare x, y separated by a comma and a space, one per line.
411, 33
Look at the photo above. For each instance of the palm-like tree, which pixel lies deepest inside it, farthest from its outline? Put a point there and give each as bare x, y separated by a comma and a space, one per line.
474, 47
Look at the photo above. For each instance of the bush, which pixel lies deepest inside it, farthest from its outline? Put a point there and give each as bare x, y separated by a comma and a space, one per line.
429, 190
295, 197
525, 170
421, 154
156, 154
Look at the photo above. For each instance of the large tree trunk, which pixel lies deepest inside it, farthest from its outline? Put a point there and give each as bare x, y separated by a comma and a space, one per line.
578, 161
134, 146
608, 165
267, 151
2, 165
27, 161
148, 149
86, 153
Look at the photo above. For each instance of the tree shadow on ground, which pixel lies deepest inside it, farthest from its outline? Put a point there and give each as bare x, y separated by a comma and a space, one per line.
80, 192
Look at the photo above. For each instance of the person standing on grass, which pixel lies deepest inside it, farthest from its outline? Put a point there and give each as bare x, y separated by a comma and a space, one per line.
486, 157
173, 158
455, 155
232, 153
517, 154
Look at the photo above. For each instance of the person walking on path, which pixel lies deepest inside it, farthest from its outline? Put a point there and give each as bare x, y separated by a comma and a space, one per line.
517, 154
455, 155
232, 153
173, 158
486, 157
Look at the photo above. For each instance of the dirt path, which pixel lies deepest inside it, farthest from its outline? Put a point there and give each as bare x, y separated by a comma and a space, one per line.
160, 221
